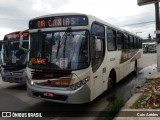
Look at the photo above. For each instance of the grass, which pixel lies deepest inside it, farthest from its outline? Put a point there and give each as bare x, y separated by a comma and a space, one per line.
115, 108
138, 104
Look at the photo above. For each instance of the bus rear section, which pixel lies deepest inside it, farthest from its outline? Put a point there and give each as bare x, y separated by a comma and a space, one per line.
14, 59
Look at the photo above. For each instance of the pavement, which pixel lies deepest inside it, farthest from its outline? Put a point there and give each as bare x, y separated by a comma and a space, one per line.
128, 113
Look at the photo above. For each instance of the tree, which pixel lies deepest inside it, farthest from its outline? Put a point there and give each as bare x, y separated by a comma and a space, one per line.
149, 37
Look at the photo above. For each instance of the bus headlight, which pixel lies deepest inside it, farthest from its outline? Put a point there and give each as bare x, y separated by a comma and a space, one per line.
30, 82
79, 84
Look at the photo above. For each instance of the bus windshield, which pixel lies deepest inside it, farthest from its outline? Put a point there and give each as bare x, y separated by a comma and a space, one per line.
12, 55
152, 46
66, 50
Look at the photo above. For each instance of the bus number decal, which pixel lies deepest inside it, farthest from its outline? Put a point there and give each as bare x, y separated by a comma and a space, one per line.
41, 23
25, 34
13, 36
38, 61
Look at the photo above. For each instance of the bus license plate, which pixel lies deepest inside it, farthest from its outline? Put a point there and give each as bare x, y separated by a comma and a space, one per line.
48, 94
11, 78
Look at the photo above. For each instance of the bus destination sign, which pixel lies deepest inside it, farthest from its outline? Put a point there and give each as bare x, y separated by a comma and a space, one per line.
16, 36
60, 21
13, 36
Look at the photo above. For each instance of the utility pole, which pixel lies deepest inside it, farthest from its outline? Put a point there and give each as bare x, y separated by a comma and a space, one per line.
157, 35
156, 2
157, 20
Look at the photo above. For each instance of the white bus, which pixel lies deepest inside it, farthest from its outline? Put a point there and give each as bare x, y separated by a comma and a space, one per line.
75, 57
14, 58
149, 47
0, 51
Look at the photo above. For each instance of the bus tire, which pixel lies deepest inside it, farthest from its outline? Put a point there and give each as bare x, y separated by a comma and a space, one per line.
111, 81
135, 68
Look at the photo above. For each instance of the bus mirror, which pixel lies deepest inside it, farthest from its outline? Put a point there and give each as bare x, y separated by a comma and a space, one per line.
21, 43
98, 45
22, 48
98, 48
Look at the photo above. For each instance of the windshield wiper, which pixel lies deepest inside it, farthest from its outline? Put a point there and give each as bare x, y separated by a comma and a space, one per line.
63, 40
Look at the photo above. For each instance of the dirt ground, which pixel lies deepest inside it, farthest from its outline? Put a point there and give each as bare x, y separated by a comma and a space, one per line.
150, 98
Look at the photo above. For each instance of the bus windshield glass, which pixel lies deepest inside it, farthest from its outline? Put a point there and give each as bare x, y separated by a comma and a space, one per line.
66, 50
12, 55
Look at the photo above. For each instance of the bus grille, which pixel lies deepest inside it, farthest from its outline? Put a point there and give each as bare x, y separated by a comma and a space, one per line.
48, 75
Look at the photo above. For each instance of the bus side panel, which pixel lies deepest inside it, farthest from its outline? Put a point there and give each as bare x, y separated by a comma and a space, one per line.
112, 63
99, 80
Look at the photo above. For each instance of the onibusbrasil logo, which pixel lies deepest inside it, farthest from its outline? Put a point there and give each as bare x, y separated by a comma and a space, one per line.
21, 114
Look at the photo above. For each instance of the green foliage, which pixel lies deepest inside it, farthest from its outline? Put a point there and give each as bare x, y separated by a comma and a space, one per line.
149, 37
115, 108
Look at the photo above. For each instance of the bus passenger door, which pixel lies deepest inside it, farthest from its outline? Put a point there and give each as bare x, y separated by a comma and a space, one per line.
98, 52
97, 83
97, 66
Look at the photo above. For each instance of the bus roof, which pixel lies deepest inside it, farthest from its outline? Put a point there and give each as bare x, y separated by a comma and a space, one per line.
16, 35
91, 19
149, 43
13, 33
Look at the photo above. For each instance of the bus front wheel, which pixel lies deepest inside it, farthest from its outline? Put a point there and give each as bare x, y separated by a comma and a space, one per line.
111, 81
135, 68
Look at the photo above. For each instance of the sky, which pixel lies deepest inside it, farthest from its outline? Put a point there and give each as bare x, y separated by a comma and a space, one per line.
15, 14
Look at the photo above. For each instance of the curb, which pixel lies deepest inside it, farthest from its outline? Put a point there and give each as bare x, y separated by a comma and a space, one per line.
126, 113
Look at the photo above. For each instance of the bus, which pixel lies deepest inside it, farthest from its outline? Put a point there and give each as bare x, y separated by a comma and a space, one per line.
14, 58
73, 58
149, 47
0, 53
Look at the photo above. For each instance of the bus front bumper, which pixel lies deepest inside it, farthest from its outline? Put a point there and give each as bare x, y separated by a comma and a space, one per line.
81, 95
15, 79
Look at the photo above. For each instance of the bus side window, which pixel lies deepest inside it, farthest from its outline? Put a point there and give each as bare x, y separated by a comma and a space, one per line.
141, 43
131, 42
119, 40
111, 39
135, 43
126, 42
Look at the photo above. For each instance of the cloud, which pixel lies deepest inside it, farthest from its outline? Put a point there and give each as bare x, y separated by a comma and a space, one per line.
143, 22
15, 14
